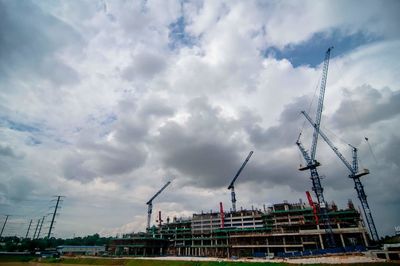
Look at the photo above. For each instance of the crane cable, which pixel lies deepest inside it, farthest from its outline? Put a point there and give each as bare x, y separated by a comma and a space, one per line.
370, 149
310, 105
357, 118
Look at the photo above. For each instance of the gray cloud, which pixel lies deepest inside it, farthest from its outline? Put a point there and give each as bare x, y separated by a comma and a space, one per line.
29, 40
391, 152
205, 153
6, 150
103, 160
365, 106
144, 65
73, 168
18, 188
198, 149
156, 107
120, 133
285, 133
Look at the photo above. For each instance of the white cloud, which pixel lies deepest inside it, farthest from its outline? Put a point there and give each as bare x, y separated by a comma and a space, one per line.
106, 111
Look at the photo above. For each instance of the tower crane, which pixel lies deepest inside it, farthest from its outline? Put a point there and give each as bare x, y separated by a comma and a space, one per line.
150, 204
312, 163
232, 185
355, 174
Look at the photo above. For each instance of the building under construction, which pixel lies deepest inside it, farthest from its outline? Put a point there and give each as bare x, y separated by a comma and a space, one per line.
281, 228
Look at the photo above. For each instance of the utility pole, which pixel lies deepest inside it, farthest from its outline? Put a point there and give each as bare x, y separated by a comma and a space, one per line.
37, 226
54, 215
40, 228
4, 225
29, 228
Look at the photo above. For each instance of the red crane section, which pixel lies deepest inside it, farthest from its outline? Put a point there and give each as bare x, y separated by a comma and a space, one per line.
222, 215
311, 202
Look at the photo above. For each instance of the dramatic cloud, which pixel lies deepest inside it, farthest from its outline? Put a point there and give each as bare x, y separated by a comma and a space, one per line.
368, 105
105, 101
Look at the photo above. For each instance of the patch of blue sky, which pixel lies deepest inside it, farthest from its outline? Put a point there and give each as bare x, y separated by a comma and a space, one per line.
109, 119
312, 52
32, 141
62, 141
178, 37
23, 127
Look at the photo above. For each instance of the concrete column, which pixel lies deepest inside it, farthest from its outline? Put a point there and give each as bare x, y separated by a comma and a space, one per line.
321, 241
365, 238
284, 244
342, 239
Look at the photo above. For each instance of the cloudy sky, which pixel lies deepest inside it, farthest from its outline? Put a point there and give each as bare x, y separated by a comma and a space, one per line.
105, 101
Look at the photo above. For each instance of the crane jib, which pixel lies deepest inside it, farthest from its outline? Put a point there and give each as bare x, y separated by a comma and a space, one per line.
240, 170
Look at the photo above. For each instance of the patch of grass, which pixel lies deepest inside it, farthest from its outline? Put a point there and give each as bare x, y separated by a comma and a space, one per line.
199, 263
357, 264
144, 262
87, 261
16, 258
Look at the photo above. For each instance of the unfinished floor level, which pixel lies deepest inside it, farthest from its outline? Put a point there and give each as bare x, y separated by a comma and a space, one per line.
283, 227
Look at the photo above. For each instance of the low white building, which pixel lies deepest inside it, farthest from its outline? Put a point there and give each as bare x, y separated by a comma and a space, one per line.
81, 250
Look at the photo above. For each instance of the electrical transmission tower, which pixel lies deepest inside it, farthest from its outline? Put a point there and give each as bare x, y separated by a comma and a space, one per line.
4, 225
54, 215
29, 228
40, 227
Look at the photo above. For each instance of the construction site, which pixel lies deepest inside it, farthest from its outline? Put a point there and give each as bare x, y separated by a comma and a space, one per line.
281, 230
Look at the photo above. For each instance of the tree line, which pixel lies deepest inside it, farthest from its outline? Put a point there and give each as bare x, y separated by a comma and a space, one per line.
14, 244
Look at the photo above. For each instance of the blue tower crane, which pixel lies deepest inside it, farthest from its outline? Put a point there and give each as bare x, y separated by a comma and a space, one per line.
312, 163
150, 204
232, 184
355, 174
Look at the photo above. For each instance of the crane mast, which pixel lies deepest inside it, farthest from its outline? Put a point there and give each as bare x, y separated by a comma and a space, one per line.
320, 102
312, 163
232, 185
318, 190
355, 174
150, 204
